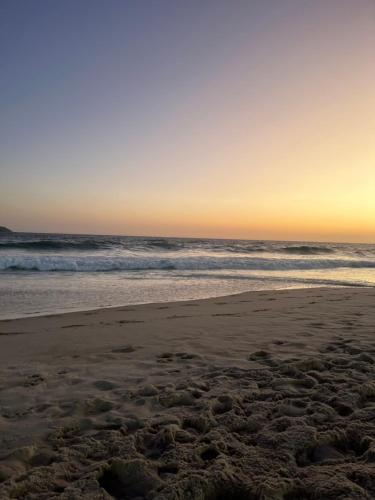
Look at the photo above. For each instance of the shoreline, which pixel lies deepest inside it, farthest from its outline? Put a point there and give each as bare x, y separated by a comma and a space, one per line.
113, 307
97, 309
261, 395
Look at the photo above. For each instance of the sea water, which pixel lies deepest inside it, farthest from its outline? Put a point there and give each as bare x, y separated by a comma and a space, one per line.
50, 273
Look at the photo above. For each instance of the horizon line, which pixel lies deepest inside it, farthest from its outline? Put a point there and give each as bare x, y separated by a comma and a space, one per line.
191, 237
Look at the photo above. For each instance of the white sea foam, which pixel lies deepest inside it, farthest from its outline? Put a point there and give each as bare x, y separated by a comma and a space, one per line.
136, 263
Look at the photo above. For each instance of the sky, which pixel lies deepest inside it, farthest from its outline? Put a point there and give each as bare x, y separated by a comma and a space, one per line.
209, 118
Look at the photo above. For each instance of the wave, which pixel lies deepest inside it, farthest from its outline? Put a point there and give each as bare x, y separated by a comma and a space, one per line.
155, 244
163, 244
294, 250
244, 249
307, 250
139, 263
90, 244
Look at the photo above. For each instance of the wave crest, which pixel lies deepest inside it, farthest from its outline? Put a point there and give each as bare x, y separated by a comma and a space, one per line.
307, 250
134, 263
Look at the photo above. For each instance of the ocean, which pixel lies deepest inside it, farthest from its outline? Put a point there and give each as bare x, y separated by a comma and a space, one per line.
52, 273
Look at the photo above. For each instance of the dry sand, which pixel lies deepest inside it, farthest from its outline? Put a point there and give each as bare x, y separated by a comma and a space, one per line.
263, 395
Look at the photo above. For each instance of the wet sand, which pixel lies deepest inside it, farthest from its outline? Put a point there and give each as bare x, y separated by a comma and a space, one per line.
262, 395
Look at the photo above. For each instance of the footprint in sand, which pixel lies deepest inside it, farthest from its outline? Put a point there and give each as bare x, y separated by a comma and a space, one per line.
168, 357
129, 478
124, 350
126, 321
228, 314
12, 333
209, 454
104, 385
73, 326
33, 380
187, 355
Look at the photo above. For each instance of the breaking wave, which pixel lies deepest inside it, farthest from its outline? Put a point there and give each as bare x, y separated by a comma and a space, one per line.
138, 263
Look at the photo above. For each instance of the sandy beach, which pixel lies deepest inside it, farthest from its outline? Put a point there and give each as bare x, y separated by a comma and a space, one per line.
187, 250
261, 395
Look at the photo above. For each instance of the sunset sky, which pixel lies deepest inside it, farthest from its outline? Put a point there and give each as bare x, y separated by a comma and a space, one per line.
238, 118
